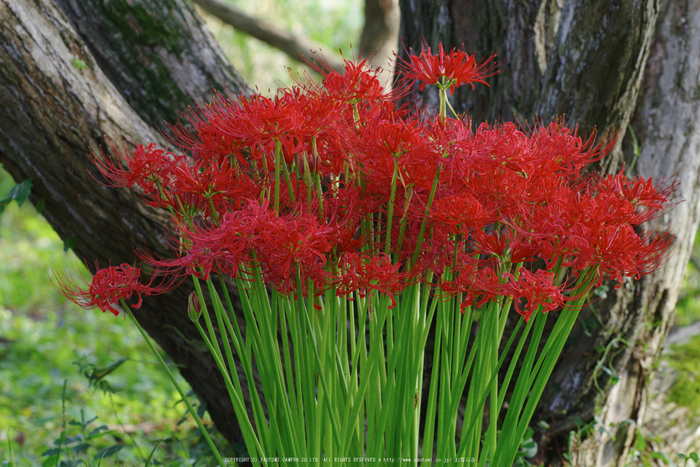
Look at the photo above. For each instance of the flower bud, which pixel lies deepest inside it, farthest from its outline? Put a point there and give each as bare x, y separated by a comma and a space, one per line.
194, 308
306, 176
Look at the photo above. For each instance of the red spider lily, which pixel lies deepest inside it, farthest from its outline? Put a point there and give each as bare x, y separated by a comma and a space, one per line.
447, 70
206, 249
358, 82
378, 146
208, 139
462, 213
282, 244
215, 180
585, 227
505, 194
620, 251
537, 289
365, 274
109, 286
645, 199
477, 283
149, 168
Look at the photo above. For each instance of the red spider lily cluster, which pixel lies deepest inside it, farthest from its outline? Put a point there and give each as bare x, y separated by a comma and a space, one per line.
332, 184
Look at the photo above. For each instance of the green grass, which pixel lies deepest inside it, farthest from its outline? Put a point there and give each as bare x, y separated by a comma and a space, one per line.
685, 359
42, 335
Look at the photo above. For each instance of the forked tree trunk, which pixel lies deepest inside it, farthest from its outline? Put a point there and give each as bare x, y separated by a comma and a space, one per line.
585, 60
596, 63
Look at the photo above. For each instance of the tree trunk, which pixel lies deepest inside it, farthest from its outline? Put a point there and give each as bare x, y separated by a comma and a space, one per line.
380, 34
114, 77
588, 62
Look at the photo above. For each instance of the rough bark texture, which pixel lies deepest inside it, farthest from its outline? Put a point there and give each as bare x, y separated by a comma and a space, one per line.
667, 123
587, 62
54, 110
668, 119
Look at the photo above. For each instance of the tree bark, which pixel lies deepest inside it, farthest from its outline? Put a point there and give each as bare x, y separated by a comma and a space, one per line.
66, 92
588, 62
380, 34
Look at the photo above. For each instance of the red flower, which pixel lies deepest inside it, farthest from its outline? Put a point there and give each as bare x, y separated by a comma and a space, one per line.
478, 284
451, 69
109, 286
284, 243
537, 289
364, 274
206, 249
149, 168
211, 179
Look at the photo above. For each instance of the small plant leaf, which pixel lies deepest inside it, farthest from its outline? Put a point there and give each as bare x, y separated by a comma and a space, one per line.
50, 452
544, 425
82, 447
70, 243
99, 373
96, 433
153, 451
662, 456
107, 452
201, 409
79, 64
19, 193
71, 463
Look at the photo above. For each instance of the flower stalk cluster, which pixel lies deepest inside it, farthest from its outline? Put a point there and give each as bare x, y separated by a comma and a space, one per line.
352, 227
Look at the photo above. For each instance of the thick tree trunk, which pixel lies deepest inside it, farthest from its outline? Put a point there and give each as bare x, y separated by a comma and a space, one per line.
64, 92
587, 61
380, 34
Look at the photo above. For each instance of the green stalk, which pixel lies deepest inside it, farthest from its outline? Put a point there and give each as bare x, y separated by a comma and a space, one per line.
278, 162
177, 386
390, 208
245, 356
331, 413
442, 94
288, 182
429, 431
236, 399
421, 233
207, 318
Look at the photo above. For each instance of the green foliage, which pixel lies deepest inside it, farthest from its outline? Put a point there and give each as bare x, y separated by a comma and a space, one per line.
46, 341
688, 305
644, 454
18, 193
79, 64
685, 359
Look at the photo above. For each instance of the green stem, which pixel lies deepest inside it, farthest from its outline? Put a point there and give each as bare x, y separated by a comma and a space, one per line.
390, 208
177, 386
278, 156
